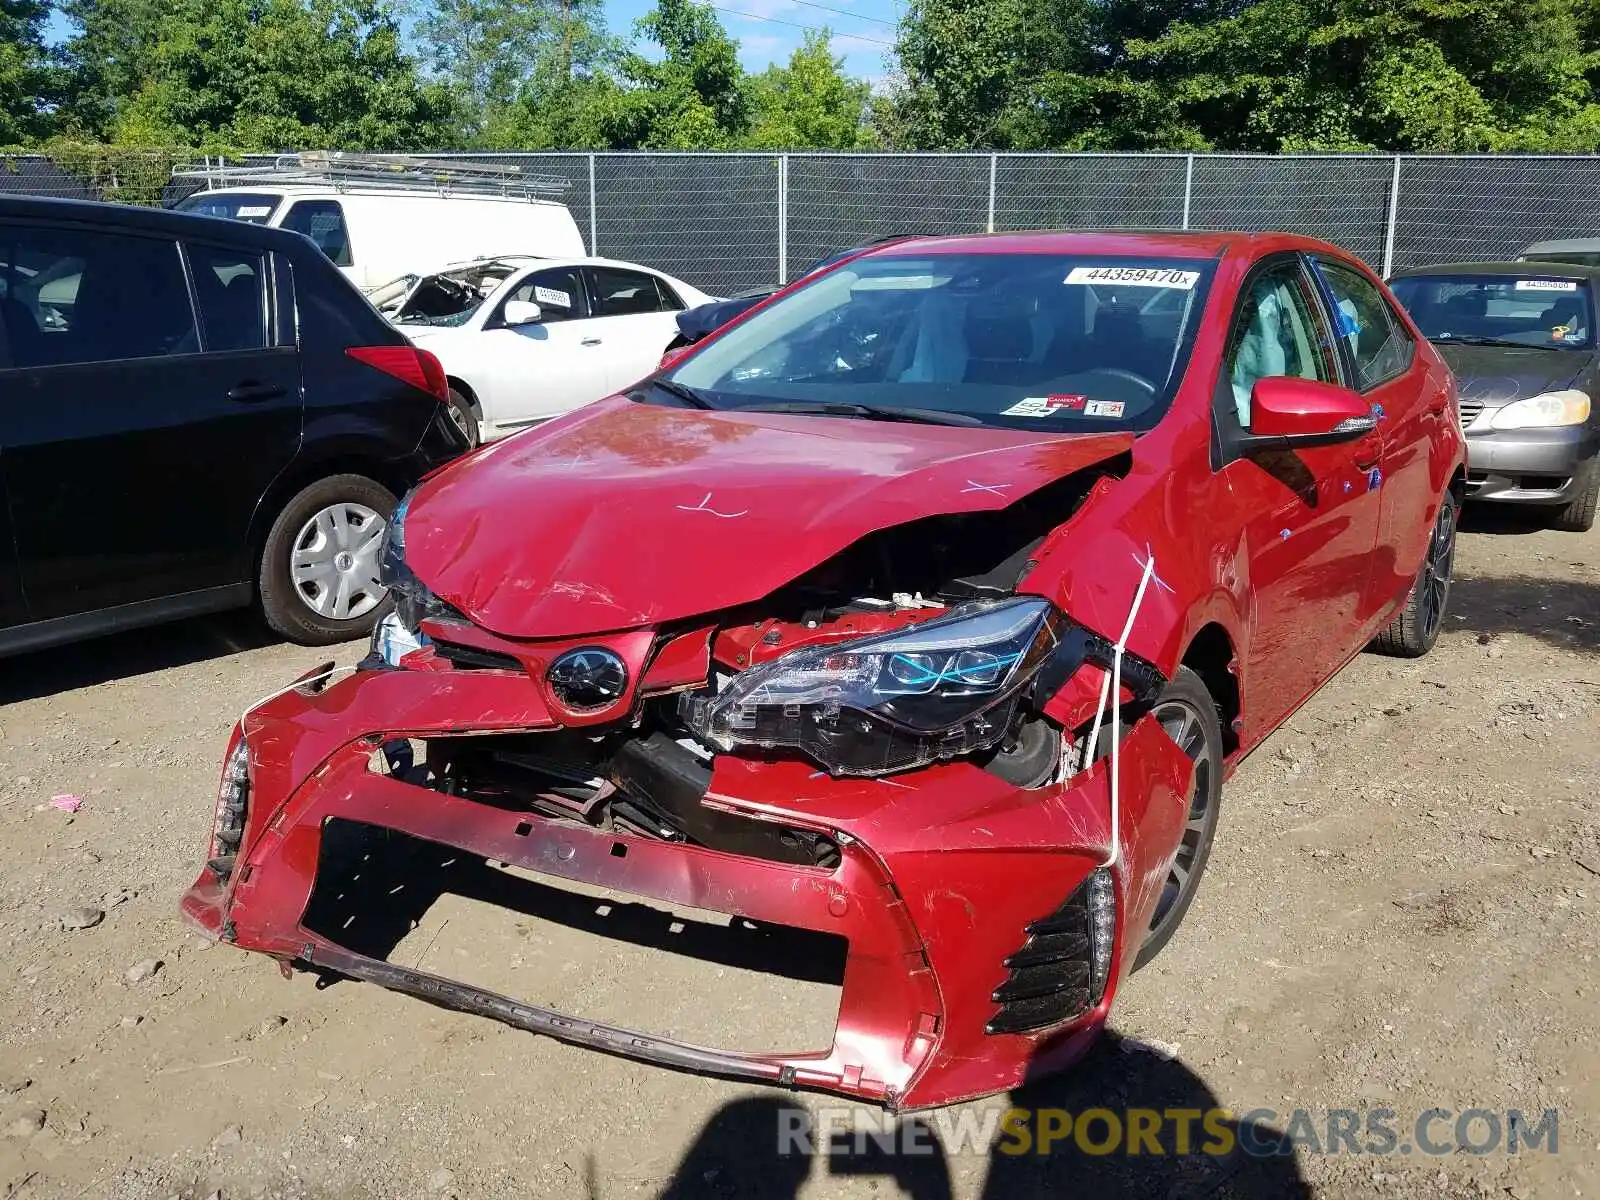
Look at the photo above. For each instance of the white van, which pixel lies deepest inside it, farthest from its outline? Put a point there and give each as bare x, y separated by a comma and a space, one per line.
376, 226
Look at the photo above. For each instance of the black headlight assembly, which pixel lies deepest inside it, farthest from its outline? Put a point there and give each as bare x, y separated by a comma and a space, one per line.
894, 702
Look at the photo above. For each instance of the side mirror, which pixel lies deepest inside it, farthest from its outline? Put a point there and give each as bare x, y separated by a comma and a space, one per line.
1291, 413
522, 312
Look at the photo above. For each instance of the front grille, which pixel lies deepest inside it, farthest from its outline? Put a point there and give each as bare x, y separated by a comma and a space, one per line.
1469, 411
1049, 978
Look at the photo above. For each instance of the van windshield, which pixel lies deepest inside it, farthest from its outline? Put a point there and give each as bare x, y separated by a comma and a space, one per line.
255, 207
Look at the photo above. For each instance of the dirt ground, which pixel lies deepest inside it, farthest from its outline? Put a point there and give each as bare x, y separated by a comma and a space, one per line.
1400, 911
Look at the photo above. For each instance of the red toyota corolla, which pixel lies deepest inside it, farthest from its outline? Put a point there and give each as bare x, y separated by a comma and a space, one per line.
828, 627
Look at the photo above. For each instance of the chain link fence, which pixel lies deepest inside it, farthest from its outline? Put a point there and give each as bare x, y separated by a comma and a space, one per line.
729, 222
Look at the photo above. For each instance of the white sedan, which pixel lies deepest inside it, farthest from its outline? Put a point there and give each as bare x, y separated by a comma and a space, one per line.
525, 339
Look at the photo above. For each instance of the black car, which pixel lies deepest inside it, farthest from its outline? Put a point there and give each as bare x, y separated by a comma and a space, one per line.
696, 323
1521, 339
197, 414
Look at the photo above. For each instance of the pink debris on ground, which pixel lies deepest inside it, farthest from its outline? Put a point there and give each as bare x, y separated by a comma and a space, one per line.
67, 803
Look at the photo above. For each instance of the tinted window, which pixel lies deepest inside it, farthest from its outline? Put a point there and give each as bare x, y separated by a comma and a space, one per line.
1519, 310
1379, 344
1278, 332
323, 222
92, 297
231, 289
621, 293
1038, 341
255, 207
558, 293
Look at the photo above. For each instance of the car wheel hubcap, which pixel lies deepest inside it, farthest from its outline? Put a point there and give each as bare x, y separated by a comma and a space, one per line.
460, 419
1185, 726
334, 564
1436, 570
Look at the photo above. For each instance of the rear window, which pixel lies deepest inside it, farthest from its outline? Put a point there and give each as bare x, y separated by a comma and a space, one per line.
254, 207
1532, 309
1576, 258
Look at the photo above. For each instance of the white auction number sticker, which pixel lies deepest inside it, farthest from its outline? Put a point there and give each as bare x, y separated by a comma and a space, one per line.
1157, 277
1547, 285
546, 295
255, 210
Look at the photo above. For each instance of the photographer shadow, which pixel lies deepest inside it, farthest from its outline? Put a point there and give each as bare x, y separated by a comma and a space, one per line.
748, 1148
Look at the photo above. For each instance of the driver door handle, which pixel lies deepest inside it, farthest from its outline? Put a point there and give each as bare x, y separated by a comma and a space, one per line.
590, 341
251, 392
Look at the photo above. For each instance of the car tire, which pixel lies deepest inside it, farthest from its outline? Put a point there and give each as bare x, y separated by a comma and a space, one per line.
1189, 713
464, 419
1578, 515
1416, 627
317, 577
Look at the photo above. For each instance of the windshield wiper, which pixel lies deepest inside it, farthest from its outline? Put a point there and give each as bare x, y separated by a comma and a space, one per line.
1477, 339
683, 392
870, 412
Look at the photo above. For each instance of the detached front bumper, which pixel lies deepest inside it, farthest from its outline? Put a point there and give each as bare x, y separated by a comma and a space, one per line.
1531, 466
941, 873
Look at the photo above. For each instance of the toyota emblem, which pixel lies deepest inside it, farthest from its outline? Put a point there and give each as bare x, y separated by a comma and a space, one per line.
588, 679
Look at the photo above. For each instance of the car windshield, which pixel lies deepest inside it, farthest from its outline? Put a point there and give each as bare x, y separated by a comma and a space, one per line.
1515, 310
255, 207
448, 298
1034, 341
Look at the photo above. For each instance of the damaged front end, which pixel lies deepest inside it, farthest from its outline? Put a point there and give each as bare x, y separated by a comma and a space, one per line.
863, 756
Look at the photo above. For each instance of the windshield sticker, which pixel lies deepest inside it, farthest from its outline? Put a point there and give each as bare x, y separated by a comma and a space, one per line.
1547, 285
1157, 277
1045, 406
546, 295
255, 210
1104, 408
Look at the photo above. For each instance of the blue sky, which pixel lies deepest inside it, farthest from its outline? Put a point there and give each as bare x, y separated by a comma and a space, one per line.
769, 30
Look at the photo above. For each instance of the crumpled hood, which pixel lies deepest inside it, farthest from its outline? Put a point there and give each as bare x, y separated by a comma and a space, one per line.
624, 514
1494, 376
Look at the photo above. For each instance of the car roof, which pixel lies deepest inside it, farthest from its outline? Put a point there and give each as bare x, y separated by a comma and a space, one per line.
318, 191
1550, 270
149, 220
1152, 243
1559, 244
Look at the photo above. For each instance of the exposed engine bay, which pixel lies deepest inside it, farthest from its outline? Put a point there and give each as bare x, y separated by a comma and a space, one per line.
912, 646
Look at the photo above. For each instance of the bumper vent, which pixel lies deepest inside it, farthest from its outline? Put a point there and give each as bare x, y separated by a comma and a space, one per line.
470, 658
1052, 977
1469, 412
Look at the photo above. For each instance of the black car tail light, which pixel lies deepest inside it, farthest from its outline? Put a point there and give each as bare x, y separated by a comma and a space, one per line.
420, 368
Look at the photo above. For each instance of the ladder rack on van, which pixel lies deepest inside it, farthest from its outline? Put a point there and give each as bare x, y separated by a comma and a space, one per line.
347, 171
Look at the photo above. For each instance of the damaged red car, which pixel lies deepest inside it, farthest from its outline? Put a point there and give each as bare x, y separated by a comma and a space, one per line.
926, 607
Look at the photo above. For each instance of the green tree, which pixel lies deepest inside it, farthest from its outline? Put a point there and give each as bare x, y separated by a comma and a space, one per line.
256, 74
1272, 75
29, 78
495, 53
693, 98
1350, 74
810, 104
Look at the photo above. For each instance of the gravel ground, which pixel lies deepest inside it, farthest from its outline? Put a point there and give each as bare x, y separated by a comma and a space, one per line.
1400, 912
